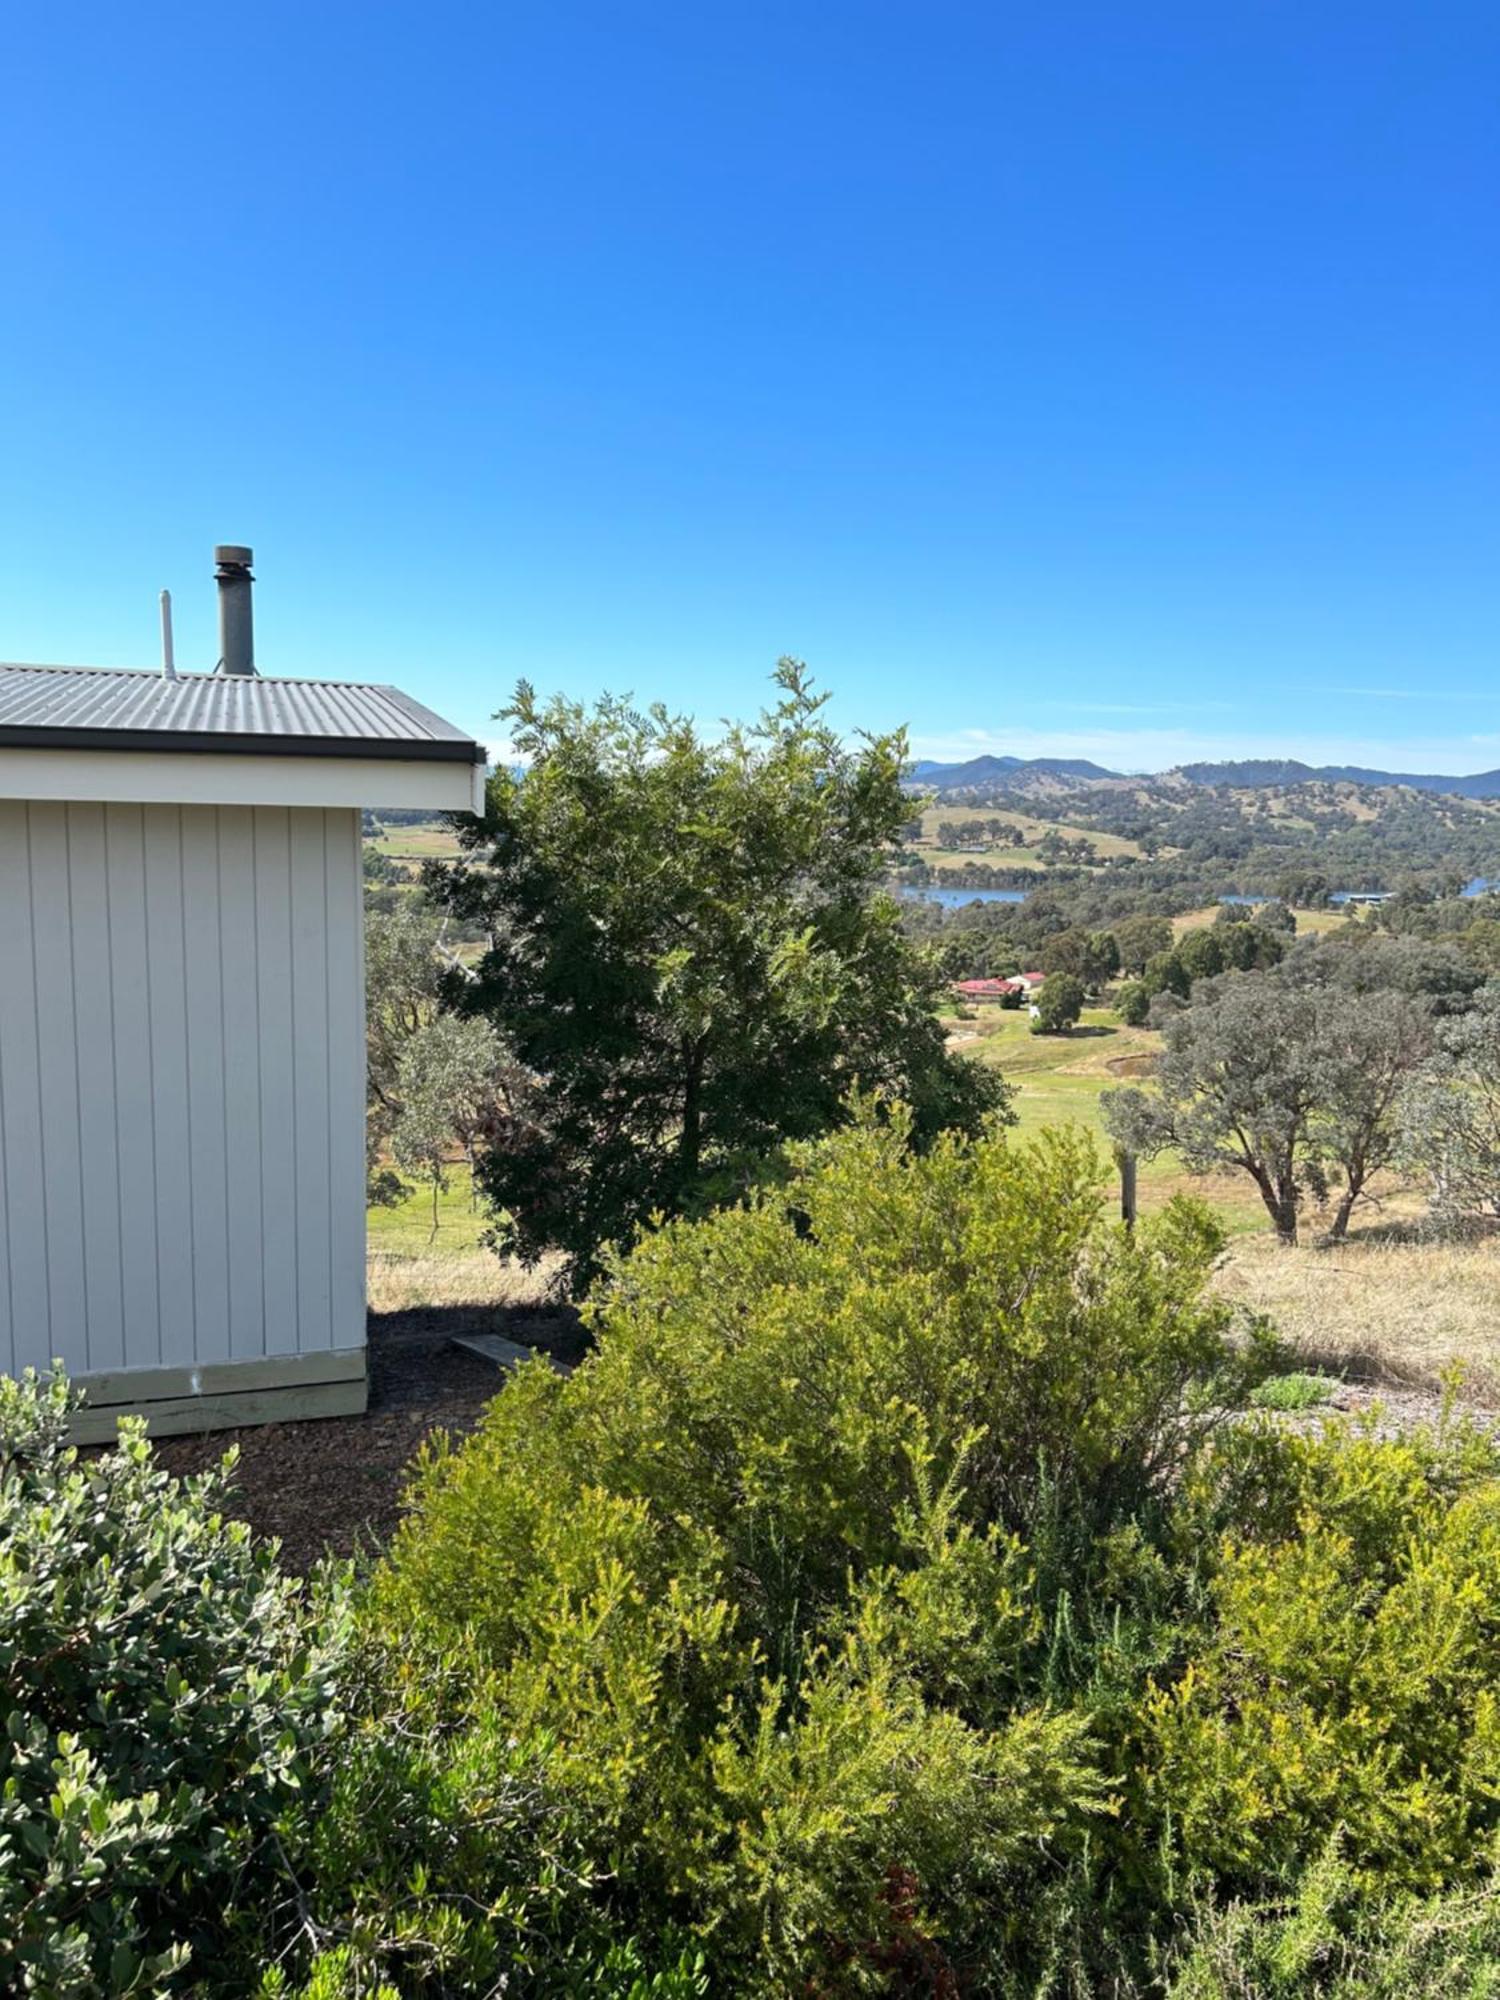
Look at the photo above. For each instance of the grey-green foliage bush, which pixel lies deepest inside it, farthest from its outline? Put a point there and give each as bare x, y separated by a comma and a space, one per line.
1325, 1942
166, 1695
773, 1586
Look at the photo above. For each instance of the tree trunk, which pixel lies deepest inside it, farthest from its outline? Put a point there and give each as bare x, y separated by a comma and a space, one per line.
690, 1142
1340, 1225
1280, 1201
1286, 1207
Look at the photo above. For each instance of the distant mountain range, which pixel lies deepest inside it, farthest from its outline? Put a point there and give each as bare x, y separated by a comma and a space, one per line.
1256, 771
1250, 774
986, 770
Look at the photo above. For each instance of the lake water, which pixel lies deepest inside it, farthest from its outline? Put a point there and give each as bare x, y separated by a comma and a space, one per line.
954, 899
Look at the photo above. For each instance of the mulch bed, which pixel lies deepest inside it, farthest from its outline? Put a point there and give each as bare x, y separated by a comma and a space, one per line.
332, 1486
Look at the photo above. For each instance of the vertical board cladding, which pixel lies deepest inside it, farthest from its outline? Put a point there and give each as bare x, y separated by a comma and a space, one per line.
181, 1086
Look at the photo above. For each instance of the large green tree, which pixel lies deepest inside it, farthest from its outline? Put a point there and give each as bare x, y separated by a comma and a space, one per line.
1140, 939
693, 956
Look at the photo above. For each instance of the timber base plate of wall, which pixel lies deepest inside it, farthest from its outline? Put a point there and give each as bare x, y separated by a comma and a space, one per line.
222, 1395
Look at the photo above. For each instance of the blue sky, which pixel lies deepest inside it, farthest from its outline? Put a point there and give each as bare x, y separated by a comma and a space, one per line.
1115, 381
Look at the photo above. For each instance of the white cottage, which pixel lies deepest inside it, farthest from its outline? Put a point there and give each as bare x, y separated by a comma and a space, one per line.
182, 1024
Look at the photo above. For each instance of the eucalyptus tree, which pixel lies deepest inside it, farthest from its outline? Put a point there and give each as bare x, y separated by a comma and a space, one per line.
1236, 1088
1450, 1114
1295, 1083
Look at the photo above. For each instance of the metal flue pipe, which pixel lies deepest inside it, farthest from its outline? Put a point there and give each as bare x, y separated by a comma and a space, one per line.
168, 656
236, 619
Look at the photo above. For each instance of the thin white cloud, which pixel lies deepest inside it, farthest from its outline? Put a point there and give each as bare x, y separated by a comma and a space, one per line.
1396, 694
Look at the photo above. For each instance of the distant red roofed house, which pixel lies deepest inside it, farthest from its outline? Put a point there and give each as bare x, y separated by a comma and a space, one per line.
1031, 980
987, 989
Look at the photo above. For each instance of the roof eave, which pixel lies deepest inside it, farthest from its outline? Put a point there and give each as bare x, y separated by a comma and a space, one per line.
218, 742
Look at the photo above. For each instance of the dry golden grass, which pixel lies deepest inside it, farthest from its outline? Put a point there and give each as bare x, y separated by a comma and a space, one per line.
405, 1283
1404, 1311
1309, 922
1032, 829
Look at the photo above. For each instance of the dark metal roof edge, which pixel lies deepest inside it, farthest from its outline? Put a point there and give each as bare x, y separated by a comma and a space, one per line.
221, 742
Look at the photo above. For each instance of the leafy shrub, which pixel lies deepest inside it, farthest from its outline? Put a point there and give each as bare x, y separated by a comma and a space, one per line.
1293, 1392
883, 1608
1343, 1679
772, 1586
166, 1693
446, 1860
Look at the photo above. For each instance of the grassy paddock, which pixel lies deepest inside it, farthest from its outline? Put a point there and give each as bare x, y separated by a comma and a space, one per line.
1105, 844
417, 843
1387, 1303
1378, 1305
406, 1230
1059, 1080
408, 1268
1310, 923
410, 1282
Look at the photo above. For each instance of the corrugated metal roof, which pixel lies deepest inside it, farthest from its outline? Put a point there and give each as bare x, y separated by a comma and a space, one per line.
126, 708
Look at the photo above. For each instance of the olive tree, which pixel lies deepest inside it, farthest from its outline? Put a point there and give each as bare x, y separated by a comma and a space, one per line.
402, 976
435, 1082
456, 1087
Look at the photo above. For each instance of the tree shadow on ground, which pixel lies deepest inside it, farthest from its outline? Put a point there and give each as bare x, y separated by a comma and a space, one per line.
1411, 1232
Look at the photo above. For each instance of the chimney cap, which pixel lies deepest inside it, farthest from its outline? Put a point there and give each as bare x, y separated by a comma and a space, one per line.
231, 554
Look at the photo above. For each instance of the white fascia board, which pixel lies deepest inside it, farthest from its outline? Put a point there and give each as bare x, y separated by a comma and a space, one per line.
187, 777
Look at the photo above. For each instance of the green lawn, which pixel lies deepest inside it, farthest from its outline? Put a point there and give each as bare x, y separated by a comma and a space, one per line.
406, 1230
1059, 1080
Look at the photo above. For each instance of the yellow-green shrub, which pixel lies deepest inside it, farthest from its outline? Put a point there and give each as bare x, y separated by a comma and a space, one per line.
1346, 1682
761, 1570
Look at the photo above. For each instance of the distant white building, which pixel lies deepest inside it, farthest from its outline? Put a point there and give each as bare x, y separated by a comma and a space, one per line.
182, 1175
